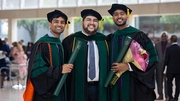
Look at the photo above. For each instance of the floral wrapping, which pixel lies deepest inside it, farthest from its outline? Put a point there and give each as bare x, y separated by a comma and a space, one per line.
136, 55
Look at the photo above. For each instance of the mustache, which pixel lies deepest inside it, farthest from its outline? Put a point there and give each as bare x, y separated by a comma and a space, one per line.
91, 25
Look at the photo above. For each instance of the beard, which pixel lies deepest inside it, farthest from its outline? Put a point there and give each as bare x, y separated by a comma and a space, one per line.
119, 25
89, 32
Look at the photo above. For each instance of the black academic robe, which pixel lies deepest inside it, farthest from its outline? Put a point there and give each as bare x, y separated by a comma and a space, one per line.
133, 85
44, 72
77, 80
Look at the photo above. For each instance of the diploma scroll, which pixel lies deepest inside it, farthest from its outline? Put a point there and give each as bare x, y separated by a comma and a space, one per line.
64, 76
120, 57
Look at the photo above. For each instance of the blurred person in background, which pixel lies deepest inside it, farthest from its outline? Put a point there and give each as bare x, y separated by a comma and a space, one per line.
28, 49
21, 42
21, 59
172, 61
4, 50
160, 76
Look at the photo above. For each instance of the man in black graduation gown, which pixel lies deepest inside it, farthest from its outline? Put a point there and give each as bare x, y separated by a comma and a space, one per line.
88, 76
134, 84
46, 64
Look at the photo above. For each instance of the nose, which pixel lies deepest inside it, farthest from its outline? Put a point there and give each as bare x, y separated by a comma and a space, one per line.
91, 22
119, 15
59, 24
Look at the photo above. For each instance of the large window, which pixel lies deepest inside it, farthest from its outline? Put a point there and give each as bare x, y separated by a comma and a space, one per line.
67, 3
169, 0
32, 29
155, 25
0, 4
3, 28
30, 3
148, 1
11, 4
106, 2
87, 2
48, 3
35, 4
128, 1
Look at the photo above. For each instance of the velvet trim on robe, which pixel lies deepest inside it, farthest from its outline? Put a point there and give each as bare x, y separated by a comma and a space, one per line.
77, 80
44, 77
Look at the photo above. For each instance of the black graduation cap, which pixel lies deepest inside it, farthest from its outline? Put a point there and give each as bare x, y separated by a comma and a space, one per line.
87, 12
56, 14
121, 7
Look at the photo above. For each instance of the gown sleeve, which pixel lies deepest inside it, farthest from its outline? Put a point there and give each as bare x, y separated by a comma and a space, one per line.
44, 77
145, 78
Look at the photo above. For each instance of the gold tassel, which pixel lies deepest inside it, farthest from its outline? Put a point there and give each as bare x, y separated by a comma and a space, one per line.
67, 24
128, 13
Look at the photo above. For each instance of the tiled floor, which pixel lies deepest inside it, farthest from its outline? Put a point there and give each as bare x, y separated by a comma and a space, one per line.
10, 94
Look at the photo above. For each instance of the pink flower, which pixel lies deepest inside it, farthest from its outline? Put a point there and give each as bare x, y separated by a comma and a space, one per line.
139, 55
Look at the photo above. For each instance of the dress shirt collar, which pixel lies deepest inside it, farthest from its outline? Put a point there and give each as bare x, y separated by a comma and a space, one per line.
50, 34
174, 43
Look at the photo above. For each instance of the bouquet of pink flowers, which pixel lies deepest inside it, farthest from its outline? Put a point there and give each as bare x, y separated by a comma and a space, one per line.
139, 55
136, 55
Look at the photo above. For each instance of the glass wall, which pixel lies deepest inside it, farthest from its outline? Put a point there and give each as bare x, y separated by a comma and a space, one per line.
0, 4
87, 3
30, 4
149, 1
169, 0
48, 3
129, 1
155, 25
106, 2
11, 4
3, 28
35, 4
67, 3
31, 29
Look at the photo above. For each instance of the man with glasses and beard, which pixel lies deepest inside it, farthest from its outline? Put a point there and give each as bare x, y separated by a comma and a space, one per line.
85, 82
134, 84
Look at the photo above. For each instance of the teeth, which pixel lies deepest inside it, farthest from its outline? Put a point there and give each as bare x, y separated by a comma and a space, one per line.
119, 19
91, 26
58, 28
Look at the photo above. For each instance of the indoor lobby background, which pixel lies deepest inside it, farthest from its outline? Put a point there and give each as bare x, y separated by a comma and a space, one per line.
26, 19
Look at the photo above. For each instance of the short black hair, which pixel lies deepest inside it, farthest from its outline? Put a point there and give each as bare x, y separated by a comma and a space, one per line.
173, 38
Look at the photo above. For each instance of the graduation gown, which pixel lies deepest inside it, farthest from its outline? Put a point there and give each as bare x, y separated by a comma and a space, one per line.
43, 76
133, 85
77, 80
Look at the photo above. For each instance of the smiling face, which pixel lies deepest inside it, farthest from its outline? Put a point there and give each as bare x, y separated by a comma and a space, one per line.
120, 18
90, 25
57, 26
